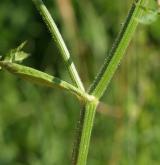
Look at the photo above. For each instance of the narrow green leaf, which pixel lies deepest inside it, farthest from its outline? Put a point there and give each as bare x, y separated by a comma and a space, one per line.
20, 56
21, 46
16, 55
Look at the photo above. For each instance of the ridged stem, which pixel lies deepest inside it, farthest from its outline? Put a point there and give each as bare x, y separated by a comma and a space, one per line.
38, 77
90, 110
59, 42
106, 73
118, 50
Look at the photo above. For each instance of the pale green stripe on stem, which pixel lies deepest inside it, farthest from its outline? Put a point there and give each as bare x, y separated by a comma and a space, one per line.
38, 77
59, 42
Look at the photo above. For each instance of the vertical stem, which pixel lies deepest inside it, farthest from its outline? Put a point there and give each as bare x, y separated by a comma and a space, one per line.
60, 42
90, 110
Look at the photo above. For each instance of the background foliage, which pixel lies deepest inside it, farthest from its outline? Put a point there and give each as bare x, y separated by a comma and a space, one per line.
37, 125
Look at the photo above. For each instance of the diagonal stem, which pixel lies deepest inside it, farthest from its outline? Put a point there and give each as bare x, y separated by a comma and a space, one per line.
59, 42
38, 77
118, 50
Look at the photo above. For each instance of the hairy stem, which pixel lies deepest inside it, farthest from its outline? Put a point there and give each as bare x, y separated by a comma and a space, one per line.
106, 73
90, 110
60, 42
38, 77
117, 52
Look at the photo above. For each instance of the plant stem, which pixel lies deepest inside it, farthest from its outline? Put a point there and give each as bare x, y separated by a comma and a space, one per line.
106, 73
38, 77
90, 110
117, 52
60, 42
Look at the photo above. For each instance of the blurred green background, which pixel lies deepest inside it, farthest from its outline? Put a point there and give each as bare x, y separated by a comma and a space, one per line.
37, 124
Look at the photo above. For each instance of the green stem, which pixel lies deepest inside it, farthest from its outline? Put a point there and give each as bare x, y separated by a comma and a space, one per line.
102, 80
118, 50
38, 77
90, 110
60, 42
